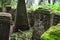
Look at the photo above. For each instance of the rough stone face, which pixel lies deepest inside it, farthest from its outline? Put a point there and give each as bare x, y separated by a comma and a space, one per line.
41, 19
56, 19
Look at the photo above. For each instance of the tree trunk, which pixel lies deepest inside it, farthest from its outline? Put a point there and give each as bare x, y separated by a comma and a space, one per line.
40, 1
51, 19
21, 16
54, 1
48, 1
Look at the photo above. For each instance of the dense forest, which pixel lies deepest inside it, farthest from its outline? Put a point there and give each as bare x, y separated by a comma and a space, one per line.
29, 19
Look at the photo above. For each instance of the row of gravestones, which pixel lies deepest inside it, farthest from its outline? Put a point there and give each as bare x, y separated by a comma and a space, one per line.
40, 22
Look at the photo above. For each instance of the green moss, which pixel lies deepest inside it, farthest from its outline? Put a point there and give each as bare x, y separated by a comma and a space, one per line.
45, 9
5, 17
53, 33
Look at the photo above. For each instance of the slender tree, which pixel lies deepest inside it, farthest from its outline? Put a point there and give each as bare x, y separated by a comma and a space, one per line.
0, 5
40, 1
54, 1
48, 1
3, 5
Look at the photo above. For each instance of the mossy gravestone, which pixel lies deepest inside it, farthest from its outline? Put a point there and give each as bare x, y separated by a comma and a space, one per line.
41, 23
53, 33
5, 20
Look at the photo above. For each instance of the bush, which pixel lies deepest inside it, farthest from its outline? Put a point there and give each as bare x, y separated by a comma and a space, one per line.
53, 33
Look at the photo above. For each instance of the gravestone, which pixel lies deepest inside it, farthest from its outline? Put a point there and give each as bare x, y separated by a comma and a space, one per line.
5, 21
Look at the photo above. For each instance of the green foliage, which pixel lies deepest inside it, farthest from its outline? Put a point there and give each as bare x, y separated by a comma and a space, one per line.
22, 35
43, 8
40, 9
9, 3
31, 9
53, 33
0, 3
54, 7
14, 4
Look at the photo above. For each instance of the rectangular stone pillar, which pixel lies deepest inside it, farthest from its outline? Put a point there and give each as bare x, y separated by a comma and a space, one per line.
5, 21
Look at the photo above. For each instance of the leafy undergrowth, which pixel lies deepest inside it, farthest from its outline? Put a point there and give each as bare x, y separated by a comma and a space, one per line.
26, 35
50, 7
53, 33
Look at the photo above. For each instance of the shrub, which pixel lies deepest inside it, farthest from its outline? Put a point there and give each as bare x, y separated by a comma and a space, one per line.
53, 33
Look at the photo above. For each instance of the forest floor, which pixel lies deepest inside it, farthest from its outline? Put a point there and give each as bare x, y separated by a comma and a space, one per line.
22, 35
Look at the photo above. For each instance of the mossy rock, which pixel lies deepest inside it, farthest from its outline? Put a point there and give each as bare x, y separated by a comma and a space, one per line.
53, 33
